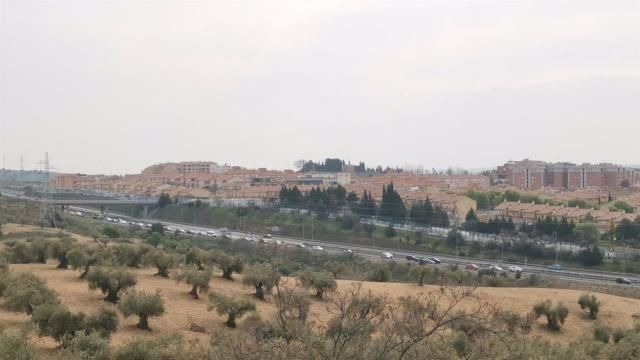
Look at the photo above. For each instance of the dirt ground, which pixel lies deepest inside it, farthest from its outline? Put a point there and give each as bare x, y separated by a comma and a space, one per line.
182, 310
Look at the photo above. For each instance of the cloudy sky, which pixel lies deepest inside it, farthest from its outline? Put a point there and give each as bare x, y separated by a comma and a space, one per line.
113, 86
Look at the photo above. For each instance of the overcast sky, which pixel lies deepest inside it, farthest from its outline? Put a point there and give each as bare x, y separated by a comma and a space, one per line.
114, 86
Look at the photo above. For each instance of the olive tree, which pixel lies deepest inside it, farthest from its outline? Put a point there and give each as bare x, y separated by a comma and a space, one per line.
161, 260
231, 307
57, 321
128, 254
24, 291
419, 273
198, 257
262, 277
110, 281
39, 250
142, 304
591, 303
555, 315
321, 282
199, 280
83, 258
229, 265
58, 249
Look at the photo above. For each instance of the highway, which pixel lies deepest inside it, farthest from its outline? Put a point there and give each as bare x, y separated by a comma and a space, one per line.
587, 277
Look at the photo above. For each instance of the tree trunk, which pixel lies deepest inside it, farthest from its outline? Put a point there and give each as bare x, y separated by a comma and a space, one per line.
63, 264
421, 282
194, 292
259, 292
112, 297
162, 272
319, 294
144, 323
227, 274
231, 321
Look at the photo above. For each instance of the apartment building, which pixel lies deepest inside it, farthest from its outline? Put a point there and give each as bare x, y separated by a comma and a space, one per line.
530, 174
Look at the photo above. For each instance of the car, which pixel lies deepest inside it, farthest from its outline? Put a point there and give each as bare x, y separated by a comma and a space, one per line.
122, 221
623, 281
191, 232
495, 267
472, 267
435, 260
319, 248
426, 260
348, 251
302, 246
181, 231
515, 269
268, 236
212, 233
411, 258
555, 267
387, 255
279, 242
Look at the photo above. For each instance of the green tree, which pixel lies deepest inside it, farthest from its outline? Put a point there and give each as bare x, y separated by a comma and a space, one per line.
82, 258
58, 249
321, 282
198, 257
555, 315
591, 303
142, 304
586, 233
164, 199
262, 277
104, 322
57, 321
229, 265
24, 292
162, 260
231, 307
198, 279
110, 281
419, 273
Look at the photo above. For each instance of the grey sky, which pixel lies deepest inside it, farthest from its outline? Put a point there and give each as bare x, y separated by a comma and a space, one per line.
117, 85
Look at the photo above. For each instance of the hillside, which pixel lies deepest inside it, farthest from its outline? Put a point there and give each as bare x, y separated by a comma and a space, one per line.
182, 310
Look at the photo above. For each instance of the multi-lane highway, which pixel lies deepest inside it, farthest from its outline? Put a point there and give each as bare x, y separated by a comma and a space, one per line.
596, 278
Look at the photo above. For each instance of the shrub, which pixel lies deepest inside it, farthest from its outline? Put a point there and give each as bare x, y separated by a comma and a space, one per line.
591, 303
198, 257
24, 292
142, 304
128, 254
57, 321
601, 333
110, 232
199, 280
555, 315
82, 258
166, 347
110, 281
618, 334
321, 282
262, 277
232, 308
14, 345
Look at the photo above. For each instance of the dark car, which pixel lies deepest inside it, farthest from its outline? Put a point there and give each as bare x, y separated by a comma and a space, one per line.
623, 281
426, 260
555, 267
412, 258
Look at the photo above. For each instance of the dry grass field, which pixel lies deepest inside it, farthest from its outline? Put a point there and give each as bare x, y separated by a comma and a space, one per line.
182, 310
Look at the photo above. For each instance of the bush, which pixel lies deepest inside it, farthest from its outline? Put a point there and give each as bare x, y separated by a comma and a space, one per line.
104, 323
601, 333
229, 265
110, 232
419, 273
58, 249
110, 281
14, 345
390, 231
321, 282
166, 347
380, 273
618, 334
82, 258
232, 308
142, 304
591, 303
555, 315
24, 292
57, 321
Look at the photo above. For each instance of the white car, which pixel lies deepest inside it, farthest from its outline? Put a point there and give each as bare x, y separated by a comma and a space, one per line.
319, 248
514, 268
121, 221
212, 234
302, 246
278, 242
495, 267
387, 255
